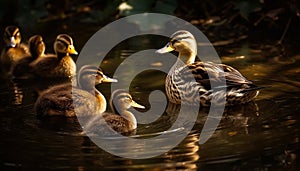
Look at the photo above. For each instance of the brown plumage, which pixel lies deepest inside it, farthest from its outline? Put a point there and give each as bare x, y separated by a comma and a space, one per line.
121, 120
68, 101
59, 65
37, 50
189, 79
14, 50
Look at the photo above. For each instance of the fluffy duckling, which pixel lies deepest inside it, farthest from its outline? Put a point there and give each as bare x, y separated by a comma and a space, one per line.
14, 50
37, 50
68, 101
59, 65
238, 88
121, 120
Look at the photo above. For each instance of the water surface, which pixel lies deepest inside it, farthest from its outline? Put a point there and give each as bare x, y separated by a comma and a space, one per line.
261, 135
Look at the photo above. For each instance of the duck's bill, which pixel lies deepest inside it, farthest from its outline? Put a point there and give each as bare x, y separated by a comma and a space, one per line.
12, 42
109, 80
71, 50
165, 49
135, 104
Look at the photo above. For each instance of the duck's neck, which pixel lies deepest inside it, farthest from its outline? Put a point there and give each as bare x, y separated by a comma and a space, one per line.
130, 117
125, 114
100, 101
61, 55
184, 58
36, 56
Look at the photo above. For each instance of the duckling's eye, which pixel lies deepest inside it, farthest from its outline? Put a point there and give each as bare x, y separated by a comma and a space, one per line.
173, 42
99, 73
128, 98
17, 35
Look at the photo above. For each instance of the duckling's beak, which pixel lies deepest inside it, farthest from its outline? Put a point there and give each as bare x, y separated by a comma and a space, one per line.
12, 42
165, 49
109, 80
71, 50
135, 104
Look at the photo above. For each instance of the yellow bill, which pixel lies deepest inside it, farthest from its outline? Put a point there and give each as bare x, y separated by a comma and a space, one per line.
71, 50
109, 80
135, 104
165, 49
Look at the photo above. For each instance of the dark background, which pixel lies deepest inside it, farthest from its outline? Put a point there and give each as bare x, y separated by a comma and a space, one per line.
263, 21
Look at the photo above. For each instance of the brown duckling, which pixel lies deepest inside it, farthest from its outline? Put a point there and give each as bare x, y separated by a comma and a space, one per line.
14, 50
59, 100
59, 65
121, 120
37, 50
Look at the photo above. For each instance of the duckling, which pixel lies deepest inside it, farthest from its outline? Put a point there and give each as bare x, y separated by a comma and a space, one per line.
60, 64
14, 50
121, 120
37, 50
59, 100
238, 89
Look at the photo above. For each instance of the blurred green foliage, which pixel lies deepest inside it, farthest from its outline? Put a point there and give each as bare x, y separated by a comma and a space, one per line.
17, 11
25, 12
247, 7
156, 6
205, 13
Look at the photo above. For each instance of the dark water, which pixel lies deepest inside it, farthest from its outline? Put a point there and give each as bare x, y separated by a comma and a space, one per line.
262, 135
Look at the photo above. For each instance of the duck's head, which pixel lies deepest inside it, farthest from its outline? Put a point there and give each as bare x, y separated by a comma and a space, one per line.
36, 46
121, 100
183, 42
64, 45
89, 76
12, 36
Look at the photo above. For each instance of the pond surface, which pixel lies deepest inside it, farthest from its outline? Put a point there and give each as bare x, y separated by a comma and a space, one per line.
261, 135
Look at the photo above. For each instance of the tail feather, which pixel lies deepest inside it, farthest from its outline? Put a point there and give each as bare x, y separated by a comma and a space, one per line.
254, 88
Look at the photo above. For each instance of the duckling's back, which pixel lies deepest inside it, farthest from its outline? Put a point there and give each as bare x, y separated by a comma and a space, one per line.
56, 101
109, 124
67, 101
51, 66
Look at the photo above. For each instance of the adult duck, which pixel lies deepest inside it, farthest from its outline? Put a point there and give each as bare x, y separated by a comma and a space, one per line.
188, 77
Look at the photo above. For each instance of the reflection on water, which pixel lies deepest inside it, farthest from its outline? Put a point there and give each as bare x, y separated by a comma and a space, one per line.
261, 135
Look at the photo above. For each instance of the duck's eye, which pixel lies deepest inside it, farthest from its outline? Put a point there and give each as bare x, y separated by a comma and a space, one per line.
173, 42
17, 35
128, 98
100, 73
